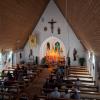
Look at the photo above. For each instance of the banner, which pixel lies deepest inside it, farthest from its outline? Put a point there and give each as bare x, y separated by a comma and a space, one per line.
32, 41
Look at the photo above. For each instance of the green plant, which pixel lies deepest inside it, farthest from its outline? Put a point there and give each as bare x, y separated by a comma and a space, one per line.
82, 61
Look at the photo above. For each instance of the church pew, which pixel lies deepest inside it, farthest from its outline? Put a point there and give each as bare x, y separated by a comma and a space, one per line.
22, 84
40, 97
7, 96
82, 89
79, 73
80, 76
81, 80
79, 70
84, 95
88, 89
90, 95
74, 78
79, 67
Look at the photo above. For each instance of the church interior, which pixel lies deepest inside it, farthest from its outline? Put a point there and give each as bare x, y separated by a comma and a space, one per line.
49, 50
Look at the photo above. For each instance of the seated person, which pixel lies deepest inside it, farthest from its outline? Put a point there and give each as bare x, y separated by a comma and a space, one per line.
59, 78
15, 74
60, 71
9, 75
24, 70
3, 74
17, 67
55, 93
76, 94
77, 83
20, 75
65, 94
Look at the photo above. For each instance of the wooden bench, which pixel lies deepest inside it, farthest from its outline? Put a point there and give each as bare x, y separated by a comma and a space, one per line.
90, 95
78, 70
47, 98
81, 80
7, 96
80, 73
80, 76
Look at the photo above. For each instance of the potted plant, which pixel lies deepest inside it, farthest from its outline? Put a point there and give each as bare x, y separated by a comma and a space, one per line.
81, 61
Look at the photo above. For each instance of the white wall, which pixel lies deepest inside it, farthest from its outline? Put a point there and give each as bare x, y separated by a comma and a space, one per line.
90, 60
52, 12
16, 57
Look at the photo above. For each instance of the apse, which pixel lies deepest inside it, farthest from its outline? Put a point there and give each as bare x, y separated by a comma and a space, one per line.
53, 50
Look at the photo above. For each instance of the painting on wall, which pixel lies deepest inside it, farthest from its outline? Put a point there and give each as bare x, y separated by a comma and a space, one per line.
32, 41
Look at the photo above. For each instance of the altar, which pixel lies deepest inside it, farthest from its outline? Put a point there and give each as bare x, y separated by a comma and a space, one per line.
55, 57
53, 51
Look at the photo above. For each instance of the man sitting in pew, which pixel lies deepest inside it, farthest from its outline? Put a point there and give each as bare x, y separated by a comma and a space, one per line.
77, 83
3, 74
55, 93
65, 93
24, 70
16, 72
75, 94
9, 75
60, 70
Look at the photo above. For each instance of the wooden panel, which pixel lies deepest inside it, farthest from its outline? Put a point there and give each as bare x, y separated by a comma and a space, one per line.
84, 18
17, 20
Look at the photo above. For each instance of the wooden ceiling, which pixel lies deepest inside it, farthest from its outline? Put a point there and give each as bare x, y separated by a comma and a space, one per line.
84, 18
17, 20
19, 17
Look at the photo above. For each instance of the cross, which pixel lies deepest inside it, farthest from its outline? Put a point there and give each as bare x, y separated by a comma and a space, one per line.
52, 22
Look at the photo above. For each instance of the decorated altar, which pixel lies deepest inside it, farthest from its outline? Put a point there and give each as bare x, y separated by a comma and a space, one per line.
55, 54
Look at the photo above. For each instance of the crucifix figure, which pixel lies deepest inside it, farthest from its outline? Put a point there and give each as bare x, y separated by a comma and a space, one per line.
52, 22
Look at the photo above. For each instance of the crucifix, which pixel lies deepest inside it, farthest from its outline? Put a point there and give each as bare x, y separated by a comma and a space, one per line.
52, 22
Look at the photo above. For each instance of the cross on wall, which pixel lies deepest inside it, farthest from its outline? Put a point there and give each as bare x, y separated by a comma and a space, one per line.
52, 22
